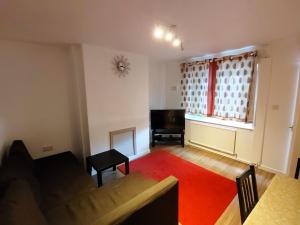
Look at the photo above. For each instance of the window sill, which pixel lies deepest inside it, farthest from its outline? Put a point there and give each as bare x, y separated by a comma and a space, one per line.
216, 121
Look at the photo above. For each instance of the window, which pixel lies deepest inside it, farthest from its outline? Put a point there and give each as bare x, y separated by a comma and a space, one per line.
223, 87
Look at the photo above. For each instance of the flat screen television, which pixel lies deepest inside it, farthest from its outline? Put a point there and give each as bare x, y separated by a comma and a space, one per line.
167, 119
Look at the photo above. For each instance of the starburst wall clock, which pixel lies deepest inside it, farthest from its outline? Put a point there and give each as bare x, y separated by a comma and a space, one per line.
121, 66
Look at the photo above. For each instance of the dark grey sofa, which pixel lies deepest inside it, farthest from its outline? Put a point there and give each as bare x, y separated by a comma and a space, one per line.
56, 190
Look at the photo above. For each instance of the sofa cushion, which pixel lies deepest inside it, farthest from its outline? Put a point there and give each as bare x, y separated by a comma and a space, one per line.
61, 178
89, 207
18, 206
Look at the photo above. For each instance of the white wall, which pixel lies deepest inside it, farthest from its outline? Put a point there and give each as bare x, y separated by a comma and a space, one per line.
164, 88
285, 55
157, 83
37, 97
76, 57
172, 87
115, 102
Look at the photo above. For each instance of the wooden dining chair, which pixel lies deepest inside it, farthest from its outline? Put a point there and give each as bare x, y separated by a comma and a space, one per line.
247, 192
297, 169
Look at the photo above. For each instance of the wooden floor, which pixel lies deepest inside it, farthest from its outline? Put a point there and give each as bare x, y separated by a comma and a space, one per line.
222, 165
226, 167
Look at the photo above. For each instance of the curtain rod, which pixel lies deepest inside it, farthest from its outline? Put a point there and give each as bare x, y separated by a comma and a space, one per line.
230, 57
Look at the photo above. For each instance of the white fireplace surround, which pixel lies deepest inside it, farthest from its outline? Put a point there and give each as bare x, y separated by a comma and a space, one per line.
124, 141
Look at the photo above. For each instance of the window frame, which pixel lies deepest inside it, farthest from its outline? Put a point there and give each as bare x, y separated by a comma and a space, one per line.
228, 122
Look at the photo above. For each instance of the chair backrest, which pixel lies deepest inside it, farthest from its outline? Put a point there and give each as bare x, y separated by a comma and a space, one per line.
247, 192
297, 169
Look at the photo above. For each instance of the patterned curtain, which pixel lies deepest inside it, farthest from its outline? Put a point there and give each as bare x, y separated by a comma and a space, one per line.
233, 84
194, 87
252, 95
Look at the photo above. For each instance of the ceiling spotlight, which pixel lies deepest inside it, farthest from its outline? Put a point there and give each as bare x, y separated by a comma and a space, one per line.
158, 32
167, 33
169, 36
176, 42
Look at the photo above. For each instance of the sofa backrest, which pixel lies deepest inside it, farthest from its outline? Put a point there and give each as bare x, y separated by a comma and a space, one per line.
18, 165
19, 203
18, 149
157, 205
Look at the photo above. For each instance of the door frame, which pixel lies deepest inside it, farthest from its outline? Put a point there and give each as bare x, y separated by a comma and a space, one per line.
293, 152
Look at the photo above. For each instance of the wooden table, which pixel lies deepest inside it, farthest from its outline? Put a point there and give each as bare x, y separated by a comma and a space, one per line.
105, 160
280, 204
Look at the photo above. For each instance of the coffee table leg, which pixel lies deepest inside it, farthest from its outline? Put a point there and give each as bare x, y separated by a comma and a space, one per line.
99, 178
127, 167
88, 167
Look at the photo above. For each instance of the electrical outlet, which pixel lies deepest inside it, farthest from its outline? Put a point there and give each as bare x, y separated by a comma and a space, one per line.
47, 148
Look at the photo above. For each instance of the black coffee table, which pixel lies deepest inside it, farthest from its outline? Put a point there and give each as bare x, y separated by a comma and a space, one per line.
105, 160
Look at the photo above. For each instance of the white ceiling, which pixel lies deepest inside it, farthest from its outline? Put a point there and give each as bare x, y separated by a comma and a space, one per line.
206, 26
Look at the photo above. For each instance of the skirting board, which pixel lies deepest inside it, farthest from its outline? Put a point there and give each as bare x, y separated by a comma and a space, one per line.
139, 155
268, 169
265, 168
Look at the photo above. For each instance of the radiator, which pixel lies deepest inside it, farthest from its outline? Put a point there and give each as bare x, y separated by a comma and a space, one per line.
213, 137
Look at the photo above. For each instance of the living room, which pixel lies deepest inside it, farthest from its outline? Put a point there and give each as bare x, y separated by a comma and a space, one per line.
64, 86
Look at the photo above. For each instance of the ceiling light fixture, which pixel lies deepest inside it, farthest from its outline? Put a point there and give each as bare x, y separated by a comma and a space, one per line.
168, 33
169, 36
176, 42
158, 32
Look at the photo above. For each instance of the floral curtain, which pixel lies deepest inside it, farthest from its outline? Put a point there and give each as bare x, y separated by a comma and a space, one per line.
252, 95
223, 87
233, 84
194, 87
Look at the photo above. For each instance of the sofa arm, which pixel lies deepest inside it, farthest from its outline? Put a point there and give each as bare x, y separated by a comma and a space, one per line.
156, 205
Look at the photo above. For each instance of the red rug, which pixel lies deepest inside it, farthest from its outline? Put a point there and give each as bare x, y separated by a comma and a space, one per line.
203, 195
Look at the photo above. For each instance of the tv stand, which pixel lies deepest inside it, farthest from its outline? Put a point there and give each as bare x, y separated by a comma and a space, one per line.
166, 136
